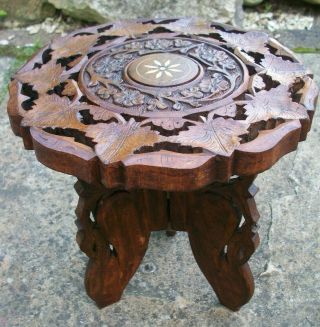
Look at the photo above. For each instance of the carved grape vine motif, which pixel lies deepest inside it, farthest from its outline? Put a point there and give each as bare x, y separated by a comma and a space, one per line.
183, 85
104, 80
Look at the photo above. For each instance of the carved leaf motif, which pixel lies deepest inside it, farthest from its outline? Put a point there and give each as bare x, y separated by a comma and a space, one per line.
129, 98
177, 106
275, 103
281, 50
95, 79
44, 78
190, 25
215, 84
220, 136
70, 46
179, 43
251, 41
283, 71
228, 110
169, 123
127, 28
257, 82
99, 113
247, 59
192, 92
116, 141
157, 44
53, 111
105, 92
309, 93
154, 104
70, 88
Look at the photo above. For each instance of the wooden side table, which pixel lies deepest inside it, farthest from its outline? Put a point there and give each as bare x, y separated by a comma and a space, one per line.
166, 124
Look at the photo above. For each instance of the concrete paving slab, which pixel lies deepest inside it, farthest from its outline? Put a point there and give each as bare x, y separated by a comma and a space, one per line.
41, 267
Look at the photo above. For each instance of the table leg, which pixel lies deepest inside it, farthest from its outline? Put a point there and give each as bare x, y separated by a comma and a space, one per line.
114, 229
221, 243
114, 232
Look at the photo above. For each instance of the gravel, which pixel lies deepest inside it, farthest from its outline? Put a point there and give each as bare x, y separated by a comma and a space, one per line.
279, 16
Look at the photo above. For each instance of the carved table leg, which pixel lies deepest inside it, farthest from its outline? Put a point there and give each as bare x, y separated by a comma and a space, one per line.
114, 229
221, 245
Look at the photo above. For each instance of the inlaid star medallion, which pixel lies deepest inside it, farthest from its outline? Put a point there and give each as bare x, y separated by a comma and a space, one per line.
163, 69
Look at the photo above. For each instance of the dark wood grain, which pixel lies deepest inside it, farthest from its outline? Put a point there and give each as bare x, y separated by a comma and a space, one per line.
115, 237
247, 83
220, 244
114, 229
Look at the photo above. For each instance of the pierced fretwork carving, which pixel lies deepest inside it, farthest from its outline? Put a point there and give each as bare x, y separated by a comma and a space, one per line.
197, 87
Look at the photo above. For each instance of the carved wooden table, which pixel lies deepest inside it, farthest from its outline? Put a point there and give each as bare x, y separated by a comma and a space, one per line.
166, 124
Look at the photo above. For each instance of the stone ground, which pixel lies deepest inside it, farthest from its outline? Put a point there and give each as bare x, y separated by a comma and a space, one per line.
41, 267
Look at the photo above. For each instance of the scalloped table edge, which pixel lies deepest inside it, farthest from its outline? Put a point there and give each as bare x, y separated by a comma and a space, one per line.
184, 172
65, 155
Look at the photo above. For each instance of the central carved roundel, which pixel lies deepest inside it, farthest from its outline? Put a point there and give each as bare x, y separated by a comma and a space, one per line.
163, 77
163, 69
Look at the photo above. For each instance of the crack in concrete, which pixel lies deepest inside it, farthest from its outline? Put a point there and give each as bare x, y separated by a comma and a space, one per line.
310, 322
291, 180
268, 239
270, 225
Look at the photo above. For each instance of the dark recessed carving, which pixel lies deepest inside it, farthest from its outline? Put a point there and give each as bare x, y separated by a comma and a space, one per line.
132, 86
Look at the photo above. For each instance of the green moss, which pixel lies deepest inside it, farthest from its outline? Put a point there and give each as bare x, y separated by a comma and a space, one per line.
3, 13
267, 7
306, 50
21, 55
26, 52
15, 65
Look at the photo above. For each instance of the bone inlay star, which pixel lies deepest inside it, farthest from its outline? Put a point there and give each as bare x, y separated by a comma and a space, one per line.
163, 69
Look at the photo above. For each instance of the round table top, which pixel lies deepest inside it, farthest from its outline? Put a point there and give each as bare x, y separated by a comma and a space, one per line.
163, 104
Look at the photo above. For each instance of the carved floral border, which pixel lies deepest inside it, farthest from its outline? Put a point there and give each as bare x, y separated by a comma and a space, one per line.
222, 75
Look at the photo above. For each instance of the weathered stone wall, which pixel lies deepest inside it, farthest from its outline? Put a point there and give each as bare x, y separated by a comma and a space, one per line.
257, 2
99, 11
102, 10
315, 2
26, 11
